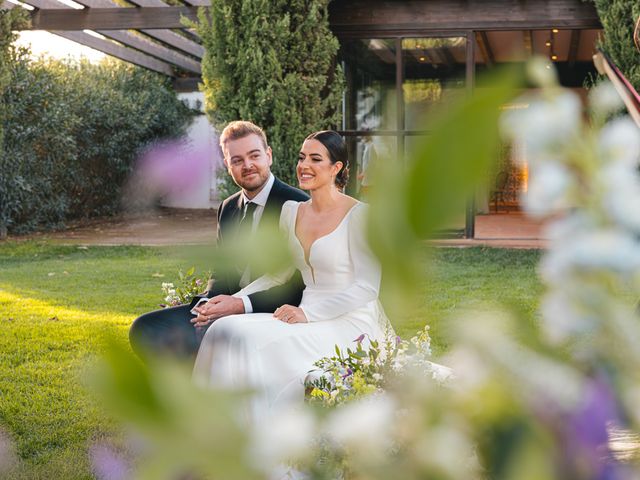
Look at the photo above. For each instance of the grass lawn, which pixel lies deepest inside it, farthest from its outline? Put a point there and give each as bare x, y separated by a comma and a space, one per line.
58, 303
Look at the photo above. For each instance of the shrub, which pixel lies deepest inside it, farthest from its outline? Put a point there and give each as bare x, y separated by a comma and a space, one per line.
72, 133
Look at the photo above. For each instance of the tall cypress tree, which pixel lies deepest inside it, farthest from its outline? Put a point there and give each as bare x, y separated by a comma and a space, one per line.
272, 62
618, 19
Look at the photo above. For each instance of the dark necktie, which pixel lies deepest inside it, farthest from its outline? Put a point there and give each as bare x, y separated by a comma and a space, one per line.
247, 220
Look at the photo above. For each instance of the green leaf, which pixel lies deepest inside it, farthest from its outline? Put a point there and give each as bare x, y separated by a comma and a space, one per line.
461, 146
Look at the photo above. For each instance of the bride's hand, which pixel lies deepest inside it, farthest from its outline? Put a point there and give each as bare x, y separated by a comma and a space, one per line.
290, 314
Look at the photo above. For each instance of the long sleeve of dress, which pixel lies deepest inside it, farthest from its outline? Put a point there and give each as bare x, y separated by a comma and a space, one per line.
367, 275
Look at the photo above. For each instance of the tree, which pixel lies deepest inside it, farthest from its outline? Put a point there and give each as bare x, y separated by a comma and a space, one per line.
618, 19
10, 20
272, 62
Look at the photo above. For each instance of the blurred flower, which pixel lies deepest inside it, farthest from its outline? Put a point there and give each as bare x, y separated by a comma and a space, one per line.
546, 126
619, 141
610, 250
562, 318
363, 426
604, 99
171, 168
586, 430
285, 436
107, 464
548, 189
621, 196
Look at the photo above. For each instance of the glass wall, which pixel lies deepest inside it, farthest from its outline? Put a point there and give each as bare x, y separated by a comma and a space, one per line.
434, 68
392, 86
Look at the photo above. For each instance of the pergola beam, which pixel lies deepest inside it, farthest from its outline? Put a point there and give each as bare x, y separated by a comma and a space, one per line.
574, 44
388, 18
118, 51
111, 18
485, 48
136, 41
527, 38
186, 44
142, 43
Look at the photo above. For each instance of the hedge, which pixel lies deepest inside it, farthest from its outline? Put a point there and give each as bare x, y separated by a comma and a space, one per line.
72, 131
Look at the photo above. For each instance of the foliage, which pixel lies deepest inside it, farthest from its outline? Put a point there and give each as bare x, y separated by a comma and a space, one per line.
618, 20
188, 287
72, 133
10, 20
272, 63
368, 369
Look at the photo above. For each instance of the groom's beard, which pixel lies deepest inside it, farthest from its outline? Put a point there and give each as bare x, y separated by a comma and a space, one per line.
252, 183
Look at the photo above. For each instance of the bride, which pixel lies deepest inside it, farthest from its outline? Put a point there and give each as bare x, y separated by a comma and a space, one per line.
272, 353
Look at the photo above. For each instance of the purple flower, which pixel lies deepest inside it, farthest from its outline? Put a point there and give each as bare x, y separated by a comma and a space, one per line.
586, 438
398, 340
107, 464
360, 338
349, 372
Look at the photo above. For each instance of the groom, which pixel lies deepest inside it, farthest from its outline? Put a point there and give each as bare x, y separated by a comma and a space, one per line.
178, 330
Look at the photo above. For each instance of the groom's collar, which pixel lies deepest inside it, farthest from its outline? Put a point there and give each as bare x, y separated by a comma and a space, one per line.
262, 197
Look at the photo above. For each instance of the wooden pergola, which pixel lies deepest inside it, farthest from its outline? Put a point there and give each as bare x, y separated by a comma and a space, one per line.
152, 34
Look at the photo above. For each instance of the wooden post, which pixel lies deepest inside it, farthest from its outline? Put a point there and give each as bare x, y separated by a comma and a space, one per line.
470, 214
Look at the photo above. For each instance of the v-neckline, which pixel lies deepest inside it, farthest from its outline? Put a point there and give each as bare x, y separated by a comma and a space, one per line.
307, 254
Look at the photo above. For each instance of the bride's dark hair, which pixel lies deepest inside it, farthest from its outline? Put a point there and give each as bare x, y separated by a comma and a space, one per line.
337, 148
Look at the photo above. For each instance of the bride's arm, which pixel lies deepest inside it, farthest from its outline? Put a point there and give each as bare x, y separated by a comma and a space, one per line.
266, 282
367, 275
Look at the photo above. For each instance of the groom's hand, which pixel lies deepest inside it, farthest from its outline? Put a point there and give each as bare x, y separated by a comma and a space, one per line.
216, 307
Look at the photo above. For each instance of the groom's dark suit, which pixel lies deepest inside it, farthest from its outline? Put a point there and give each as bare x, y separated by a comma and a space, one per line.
229, 216
170, 329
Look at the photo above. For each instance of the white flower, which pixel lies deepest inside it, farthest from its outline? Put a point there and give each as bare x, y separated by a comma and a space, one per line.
604, 250
286, 435
546, 125
568, 227
471, 369
619, 141
604, 99
363, 426
621, 183
562, 317
548, 189
446, 449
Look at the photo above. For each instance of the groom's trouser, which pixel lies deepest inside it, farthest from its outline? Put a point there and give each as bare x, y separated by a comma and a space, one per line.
166, 332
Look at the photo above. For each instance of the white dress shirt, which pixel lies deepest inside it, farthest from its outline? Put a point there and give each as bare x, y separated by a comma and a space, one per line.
260, 200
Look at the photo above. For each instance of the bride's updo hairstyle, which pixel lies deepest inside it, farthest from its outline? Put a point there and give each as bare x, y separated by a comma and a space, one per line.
337, 148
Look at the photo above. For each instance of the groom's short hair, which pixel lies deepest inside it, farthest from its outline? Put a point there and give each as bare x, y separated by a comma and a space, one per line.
241, 129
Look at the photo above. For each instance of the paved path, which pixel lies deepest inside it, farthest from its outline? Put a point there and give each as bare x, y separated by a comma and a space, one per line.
184, 227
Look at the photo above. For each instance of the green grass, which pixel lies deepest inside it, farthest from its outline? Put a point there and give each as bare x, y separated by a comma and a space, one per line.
59, 303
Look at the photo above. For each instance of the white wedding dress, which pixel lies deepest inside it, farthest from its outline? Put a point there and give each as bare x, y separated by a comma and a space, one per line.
340, 301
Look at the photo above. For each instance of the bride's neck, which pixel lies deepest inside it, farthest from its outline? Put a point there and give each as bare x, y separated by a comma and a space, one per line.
325, 198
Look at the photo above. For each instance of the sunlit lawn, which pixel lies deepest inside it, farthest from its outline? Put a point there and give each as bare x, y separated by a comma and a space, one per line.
59, 303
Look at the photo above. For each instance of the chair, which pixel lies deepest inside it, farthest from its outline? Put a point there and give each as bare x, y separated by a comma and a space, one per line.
499, 190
